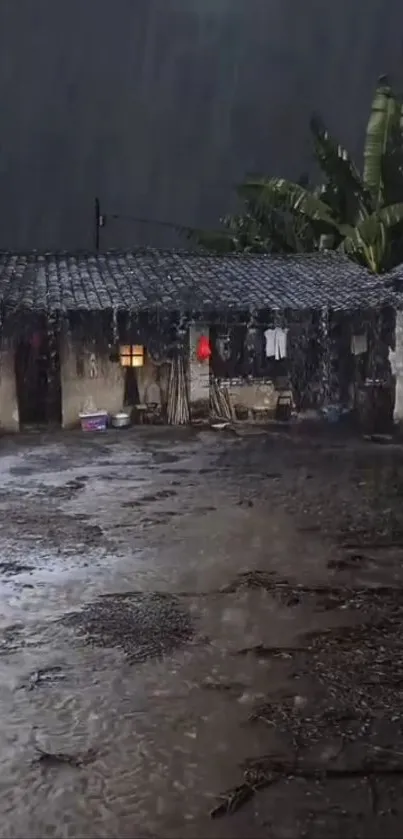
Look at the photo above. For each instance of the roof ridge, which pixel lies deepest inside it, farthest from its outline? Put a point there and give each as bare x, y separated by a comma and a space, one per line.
88, 253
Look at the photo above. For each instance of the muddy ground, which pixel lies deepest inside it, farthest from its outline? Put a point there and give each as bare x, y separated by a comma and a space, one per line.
200, 635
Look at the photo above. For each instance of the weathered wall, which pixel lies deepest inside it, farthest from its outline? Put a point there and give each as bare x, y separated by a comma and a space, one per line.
199, 371
97, 386
396, 362
9, 419
249, 395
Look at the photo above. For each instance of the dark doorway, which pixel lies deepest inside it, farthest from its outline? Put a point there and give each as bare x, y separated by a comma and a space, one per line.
37, 371
131, 396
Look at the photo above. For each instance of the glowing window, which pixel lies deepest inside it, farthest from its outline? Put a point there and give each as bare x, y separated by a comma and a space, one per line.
132, 356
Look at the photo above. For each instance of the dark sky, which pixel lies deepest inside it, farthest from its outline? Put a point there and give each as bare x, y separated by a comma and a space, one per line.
158, 106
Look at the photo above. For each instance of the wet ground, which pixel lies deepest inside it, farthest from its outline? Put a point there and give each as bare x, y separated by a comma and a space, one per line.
200, 635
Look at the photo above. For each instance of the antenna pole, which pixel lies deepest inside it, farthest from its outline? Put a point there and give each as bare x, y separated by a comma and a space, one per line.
96, 221
99, 222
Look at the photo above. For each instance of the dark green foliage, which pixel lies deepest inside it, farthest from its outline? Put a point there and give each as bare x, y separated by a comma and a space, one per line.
361, 214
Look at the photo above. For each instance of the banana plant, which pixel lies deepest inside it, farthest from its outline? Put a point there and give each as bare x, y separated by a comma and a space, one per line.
350, 210
272, 228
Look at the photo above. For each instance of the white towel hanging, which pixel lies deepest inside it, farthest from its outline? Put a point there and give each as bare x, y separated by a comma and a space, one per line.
270, 344
280, 343
276, 343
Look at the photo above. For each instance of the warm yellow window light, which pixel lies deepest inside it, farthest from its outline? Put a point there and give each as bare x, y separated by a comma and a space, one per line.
132, 356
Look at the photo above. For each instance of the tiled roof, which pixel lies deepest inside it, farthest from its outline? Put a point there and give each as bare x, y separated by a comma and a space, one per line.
394, 281
192, 281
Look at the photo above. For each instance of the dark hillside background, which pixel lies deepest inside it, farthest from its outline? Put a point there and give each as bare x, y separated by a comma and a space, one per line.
158, 106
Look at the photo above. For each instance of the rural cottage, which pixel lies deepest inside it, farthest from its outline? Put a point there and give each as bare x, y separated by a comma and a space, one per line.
177, 336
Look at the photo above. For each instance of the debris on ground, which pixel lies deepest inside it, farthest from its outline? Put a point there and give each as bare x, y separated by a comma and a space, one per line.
324, 528
263, 772
9, 569
233, 689
59, 758
143, 625
354, 681
45, 675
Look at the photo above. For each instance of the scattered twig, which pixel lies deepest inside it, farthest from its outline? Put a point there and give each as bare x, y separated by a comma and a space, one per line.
232, 800
378, 545
263, 772
264, 580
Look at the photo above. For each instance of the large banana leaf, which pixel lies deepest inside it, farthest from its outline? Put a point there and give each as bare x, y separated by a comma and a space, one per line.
265, 192
385, 116
392, 168
351, 199
391, 216
369, 241
368, 244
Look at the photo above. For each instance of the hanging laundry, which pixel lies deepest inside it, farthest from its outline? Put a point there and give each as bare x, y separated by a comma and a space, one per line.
223, 346
359, 344
280, 341
276, 343
203, 351
270, 345
253, 339
93, 366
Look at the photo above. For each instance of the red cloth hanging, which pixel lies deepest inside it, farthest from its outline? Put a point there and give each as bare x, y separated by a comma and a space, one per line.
203, 349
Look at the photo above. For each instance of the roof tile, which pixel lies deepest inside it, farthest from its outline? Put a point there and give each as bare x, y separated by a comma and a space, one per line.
138, 280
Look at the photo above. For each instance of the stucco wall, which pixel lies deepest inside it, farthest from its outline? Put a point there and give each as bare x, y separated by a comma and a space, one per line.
9, 419
101, 387
396, 362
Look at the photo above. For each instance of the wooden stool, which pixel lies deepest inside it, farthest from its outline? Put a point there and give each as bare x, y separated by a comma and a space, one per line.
153, 413
141, 411
260, 412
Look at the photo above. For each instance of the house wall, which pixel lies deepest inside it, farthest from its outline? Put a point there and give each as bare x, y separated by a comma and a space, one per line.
98, 386
9, 419
396, 362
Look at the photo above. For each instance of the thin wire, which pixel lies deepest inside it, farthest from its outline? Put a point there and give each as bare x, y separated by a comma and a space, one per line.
138, 220
170, 224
